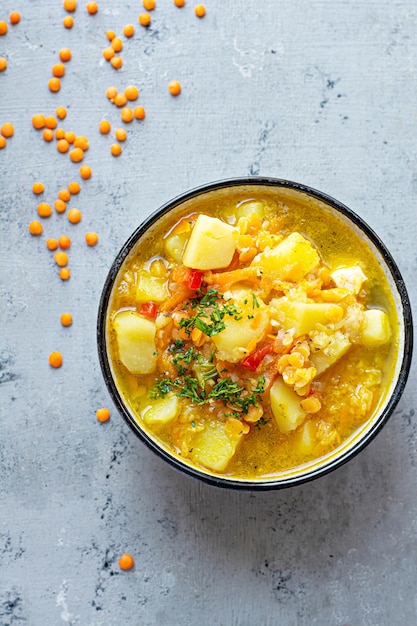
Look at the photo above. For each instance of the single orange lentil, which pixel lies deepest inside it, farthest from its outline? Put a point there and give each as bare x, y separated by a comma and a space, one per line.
3, 64
68, 21
103, 415
47, 134
70, 136
126, 115
64, 242
38, 121
38, 188
132, 92
104, 127
61, 258
50, 122
179, 3
116, 62
52, 244
55, 359
65, 55
3, 142
117, 44
54, 84
139, 113
111, 93
129, 30
64, 273
85, 172
64, 195
7, 130
60, 206
74, 216
70, 5
108, 53
58, 70
3, 28
66, 319
62, 145
14, 18
120, 134
35, 228
200, 10
91, 239
120, 100
126, 561
110, 34
61, 112
74, 188
174, 88
76, 155
92, 7
116, 149
149, 5
81, 142
60, 133
144, 19
44, 209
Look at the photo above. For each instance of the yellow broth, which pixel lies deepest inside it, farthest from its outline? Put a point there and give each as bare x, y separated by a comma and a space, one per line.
348, 391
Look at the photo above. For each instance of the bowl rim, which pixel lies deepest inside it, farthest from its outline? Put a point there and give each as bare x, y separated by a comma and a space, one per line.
315, 472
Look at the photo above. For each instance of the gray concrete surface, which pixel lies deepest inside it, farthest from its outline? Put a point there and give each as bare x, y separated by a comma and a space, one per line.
319, 92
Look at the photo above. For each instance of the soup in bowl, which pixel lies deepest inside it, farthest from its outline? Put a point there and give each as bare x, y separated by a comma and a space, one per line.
255, 333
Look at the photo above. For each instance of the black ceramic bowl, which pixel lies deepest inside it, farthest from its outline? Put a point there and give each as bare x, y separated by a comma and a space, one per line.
293, 192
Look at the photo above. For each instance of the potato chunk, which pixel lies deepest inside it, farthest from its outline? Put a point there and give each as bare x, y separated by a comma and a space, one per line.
286, 407
336, 347
303, 316
150, 288
351, 278
211, 244
213, 447
161, 411
290, 260
375, 328
136, 342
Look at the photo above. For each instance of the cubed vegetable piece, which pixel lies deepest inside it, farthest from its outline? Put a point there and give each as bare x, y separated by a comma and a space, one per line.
175, 245
336, 348
213, 447
286, 407
351, 278
375, 328
211, 244
290, 260
136, 342
161, 411
307, 437
150, 288
249, 328
244, 209
303, 316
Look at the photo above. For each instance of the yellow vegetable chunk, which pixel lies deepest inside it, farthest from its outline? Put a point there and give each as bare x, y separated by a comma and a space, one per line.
351, 278
175, 245
150, 288
211, 244
286, 407
162, 411
338, 346
290, 260
306, 440
249, 207
375, 328
303, 316
214, 446
135, 342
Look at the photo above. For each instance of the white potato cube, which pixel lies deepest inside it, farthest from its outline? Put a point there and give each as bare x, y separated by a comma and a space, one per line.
338, 345
136, 342
375, 328
175, 245
291, 260
303, 316
211, 244
161, 411
150, 288
351, 278
286, 407
213, 447
307, 439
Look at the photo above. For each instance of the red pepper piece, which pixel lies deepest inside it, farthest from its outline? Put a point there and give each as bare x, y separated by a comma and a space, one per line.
148, 309
254, 359
194, 280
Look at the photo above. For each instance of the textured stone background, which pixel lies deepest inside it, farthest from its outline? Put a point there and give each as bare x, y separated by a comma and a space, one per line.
316, 91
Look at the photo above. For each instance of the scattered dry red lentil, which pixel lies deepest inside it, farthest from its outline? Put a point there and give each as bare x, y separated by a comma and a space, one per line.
85, 172
129, 30
35, 228
64, 195
111, 93
61, 112
117, 44
174, 88
139, 113
69, 136
3, 64
58, 70
120, 100
44, 209
64, 273
126, 561
61, 259
81, 142
179, 3
47, 134
66, 319
132, 92
110, 34
54, 84
74, 216
149, 5
104, 127
144, 19
126, 115
38, 188
60, 133
76, 155
65, 55
70, 5
116, 149
60, 206
64, 242
55, 359
200, 10
38, 121
50, 122
52, 244
68, 21
14, 18
91, 239
108, 53
92, 7
7, 130
103, 415
3, 28
74, 188
116, 62
3, 142
62, 145
120, 134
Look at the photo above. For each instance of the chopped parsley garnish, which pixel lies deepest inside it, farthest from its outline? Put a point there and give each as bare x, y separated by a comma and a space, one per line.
210, 309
